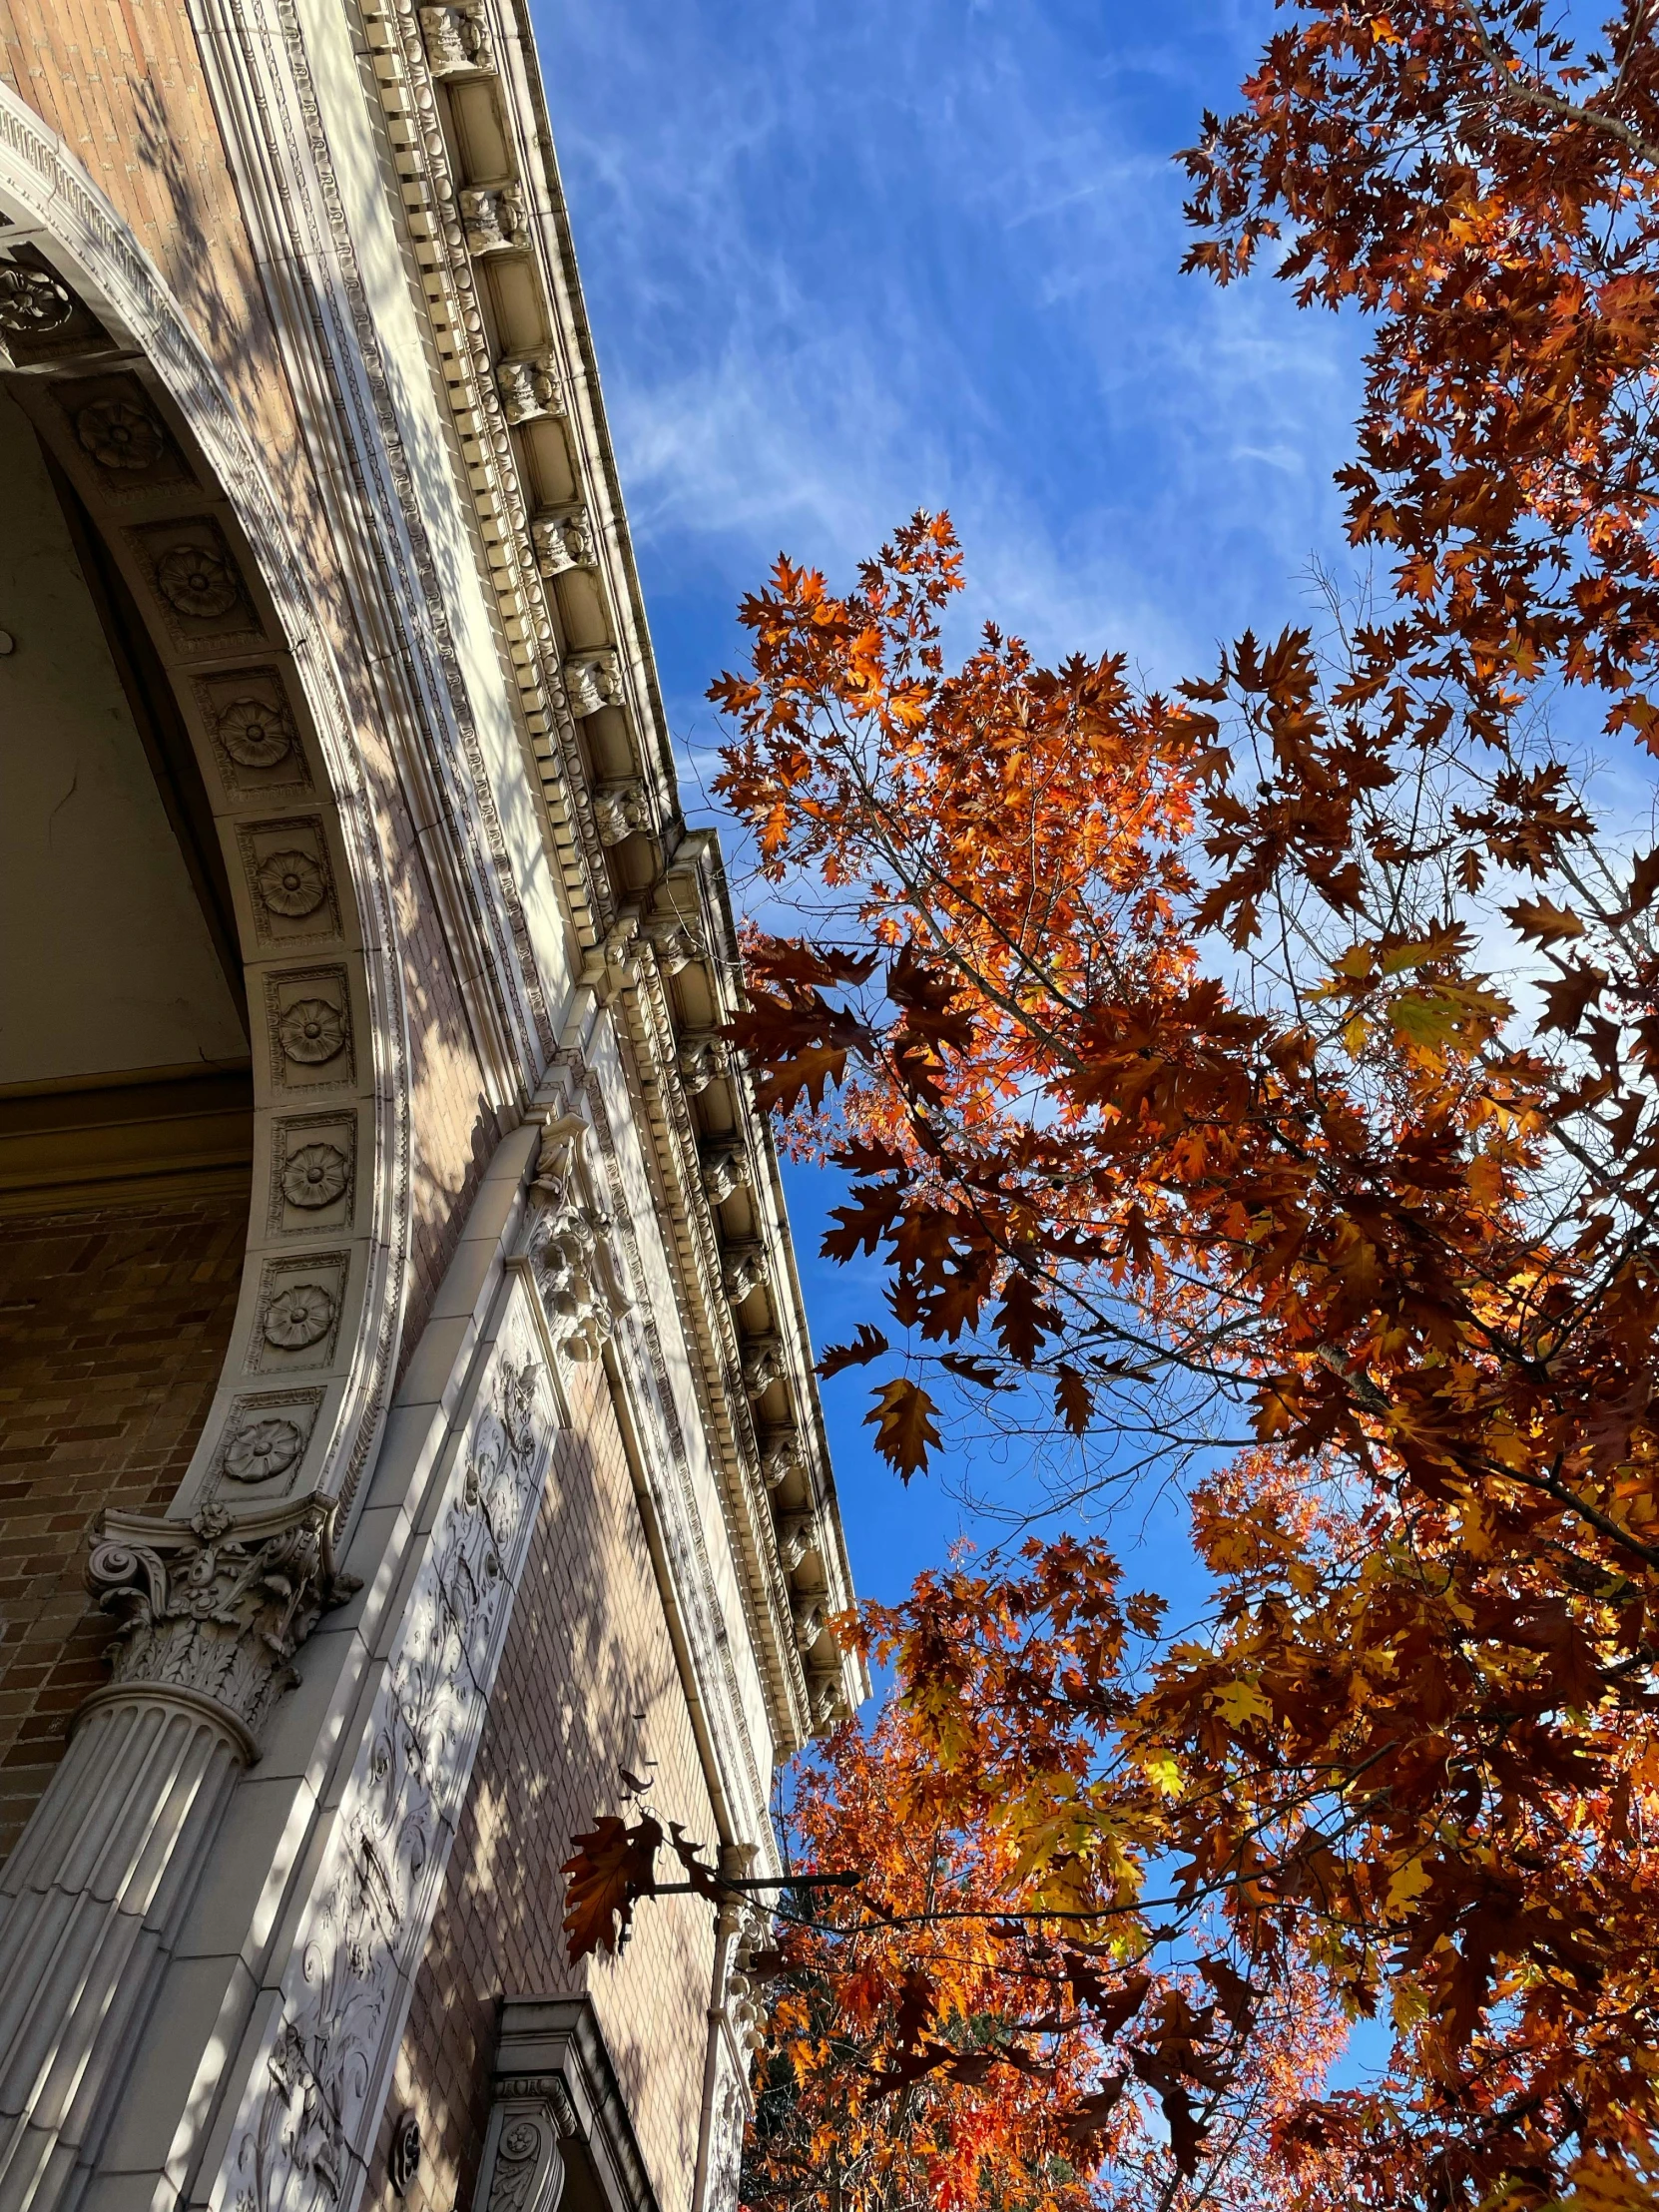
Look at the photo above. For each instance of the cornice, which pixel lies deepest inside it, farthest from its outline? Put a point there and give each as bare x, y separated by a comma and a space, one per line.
467, 131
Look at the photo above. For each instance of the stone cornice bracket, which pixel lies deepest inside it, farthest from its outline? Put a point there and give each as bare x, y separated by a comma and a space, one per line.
568, 1242
214, 1610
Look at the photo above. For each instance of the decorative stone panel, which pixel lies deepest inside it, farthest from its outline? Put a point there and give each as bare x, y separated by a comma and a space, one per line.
318, 2084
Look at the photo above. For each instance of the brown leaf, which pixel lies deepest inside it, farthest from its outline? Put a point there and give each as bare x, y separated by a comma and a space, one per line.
612, 1868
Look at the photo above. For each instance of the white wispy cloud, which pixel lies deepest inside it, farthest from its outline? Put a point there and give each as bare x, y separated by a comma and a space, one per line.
846, 261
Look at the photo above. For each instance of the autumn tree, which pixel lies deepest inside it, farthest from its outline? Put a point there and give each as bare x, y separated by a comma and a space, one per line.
1257, 1084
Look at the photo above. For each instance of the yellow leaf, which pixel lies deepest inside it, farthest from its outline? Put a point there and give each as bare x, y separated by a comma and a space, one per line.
1410, 1881
1243, 1701
1161, 1771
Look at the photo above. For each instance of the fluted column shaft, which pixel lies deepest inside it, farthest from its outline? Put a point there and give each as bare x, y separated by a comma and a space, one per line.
97, 1892
90, 1908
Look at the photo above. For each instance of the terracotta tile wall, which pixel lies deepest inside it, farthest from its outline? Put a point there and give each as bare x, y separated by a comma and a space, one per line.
588, 1649
113, 1329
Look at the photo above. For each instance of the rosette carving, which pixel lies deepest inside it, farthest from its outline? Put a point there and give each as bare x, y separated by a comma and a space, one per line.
315, 1176
196, 581
299, 1316
31, 301
262, 1448
254, 734
291, 883
118, 435
312, 1031
214, 1610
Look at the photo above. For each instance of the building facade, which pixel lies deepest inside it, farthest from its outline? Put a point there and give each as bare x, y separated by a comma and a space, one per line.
408, 1424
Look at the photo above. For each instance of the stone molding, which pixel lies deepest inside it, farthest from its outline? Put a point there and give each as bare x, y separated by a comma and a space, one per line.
553, 2072
213, 1610
316, 2080
56, 212
260, 76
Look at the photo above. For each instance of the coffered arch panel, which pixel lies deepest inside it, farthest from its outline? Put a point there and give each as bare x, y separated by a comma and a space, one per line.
207, 601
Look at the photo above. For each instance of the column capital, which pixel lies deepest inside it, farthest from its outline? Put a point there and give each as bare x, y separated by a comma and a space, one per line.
212, 1609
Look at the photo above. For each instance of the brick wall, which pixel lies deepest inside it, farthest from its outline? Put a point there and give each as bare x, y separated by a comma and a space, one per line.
113, 1329
588, 1649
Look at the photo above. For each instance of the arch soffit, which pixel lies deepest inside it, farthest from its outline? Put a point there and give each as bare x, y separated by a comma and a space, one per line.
130, 406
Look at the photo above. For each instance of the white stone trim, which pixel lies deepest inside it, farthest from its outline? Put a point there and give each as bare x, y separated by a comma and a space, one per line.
52, 203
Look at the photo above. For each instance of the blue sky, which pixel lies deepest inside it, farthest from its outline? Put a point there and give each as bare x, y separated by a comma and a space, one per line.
844, 261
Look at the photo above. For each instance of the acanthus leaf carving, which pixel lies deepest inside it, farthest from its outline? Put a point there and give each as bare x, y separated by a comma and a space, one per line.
311, 2110
529, 387
457, 40
779, 1458
593, 680
563, 538
763, 1366
568, 1243
725, 1170
797, 1535
619, 808
704, 1056
216, 1607
493, 218
744, 1270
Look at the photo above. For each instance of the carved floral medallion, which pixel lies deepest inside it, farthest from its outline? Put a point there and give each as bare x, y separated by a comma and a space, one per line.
120, 435
31, 301
196, 581
262, 1449
254, 734
299, 1316
315, 1176
291, 883
311, 1032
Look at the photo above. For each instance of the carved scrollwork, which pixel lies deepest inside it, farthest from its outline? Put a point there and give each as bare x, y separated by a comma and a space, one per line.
779, 1458
744, 1270
725, 1170
593, 680
217, 1607
492, 216
529, 387
568, 1244
704, 1058
619, 808
457, 40
797, 1535
313, 2109
523, 2170
763, 1366
825, 1698
563, 539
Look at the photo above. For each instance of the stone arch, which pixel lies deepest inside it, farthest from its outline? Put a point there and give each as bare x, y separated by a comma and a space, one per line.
131, 411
